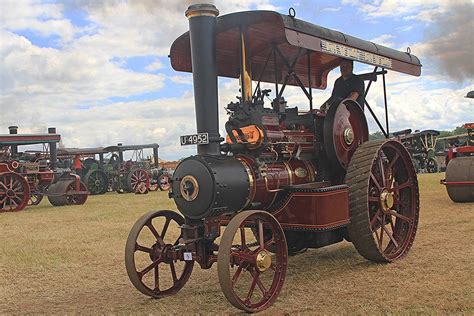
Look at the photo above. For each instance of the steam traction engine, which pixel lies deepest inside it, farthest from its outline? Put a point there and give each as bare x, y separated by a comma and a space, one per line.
283, 180
26, 177
459, 180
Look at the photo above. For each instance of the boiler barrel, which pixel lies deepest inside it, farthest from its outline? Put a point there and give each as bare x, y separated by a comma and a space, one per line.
460, 179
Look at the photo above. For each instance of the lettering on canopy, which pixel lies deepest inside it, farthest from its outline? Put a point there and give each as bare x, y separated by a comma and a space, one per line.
356, 54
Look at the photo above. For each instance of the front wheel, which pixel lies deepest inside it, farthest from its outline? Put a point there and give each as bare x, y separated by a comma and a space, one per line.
148, 254
250, 274
383, 200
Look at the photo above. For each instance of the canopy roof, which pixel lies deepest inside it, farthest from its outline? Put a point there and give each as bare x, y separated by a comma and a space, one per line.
81, 151
428, 132
293, 38
28, 139
129, 147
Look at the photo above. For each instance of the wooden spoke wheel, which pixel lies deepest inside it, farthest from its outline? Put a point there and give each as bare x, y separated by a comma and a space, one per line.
97, 182
138, 181
431, 165
35, 198
383, 200
164, 182
251, 276
14, 192
148, 254
63, 193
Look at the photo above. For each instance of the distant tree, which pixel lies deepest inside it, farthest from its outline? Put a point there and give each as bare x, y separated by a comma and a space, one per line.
459, 130
376, 135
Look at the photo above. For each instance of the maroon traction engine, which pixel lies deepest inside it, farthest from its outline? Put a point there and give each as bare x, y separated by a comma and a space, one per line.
284, 180
28, 176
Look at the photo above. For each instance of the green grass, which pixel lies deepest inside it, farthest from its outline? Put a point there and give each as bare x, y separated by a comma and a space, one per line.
71, 260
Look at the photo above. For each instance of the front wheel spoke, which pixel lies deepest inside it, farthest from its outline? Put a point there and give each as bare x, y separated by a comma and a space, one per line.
154, 232
165, 228
390, 236
256, 275
269, 242
142, 248
252, 288
157, 278
236, 275
173, 272
242, 237
148, 269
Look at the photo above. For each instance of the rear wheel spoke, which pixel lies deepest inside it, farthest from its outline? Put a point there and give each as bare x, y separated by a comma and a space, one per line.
400, 216
390, 236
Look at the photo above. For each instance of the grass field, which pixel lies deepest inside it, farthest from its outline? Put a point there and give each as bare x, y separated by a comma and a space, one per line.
71, 260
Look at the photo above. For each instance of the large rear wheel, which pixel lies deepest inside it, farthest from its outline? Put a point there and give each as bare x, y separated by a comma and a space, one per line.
383, 200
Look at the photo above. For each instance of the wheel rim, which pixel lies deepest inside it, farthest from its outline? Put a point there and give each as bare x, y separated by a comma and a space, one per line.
35, 198
432, 166
14, 192
164, 182
76, 199
251, 277
389, 198
138, 179
148, 265
97, 182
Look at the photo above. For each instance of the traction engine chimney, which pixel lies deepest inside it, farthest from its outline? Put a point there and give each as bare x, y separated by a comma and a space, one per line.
202, 34
14, 148
53, 150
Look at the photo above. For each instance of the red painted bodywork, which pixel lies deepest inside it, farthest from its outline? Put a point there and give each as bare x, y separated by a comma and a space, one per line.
322, 210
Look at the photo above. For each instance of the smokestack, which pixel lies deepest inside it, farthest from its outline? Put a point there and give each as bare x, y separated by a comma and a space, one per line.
120, 153
53, 150
155, 157
13, 148
202, 34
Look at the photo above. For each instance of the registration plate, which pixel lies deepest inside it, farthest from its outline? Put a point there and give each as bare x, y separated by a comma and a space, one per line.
195, 139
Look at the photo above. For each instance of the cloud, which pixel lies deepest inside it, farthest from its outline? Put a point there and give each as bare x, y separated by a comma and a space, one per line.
450, 40
421, 10
45, 19
385, 40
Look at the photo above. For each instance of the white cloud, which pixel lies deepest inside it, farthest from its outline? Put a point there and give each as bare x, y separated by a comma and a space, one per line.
414, 9
385, 40
156, 65
43, 18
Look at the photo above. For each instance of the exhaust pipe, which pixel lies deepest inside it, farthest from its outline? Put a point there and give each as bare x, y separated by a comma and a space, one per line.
14, 148
202, 34
53, 150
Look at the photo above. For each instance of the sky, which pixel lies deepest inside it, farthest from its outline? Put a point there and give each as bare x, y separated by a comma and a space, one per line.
99, 71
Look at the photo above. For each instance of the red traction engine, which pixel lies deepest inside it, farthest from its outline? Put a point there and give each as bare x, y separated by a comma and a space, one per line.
459, 180
283, 180
26, 177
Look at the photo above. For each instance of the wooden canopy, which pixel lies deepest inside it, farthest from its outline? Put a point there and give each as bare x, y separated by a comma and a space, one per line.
292, 40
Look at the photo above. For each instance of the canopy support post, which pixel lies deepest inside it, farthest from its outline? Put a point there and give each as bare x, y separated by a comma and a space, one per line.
376, 119
385, 101
274, 48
